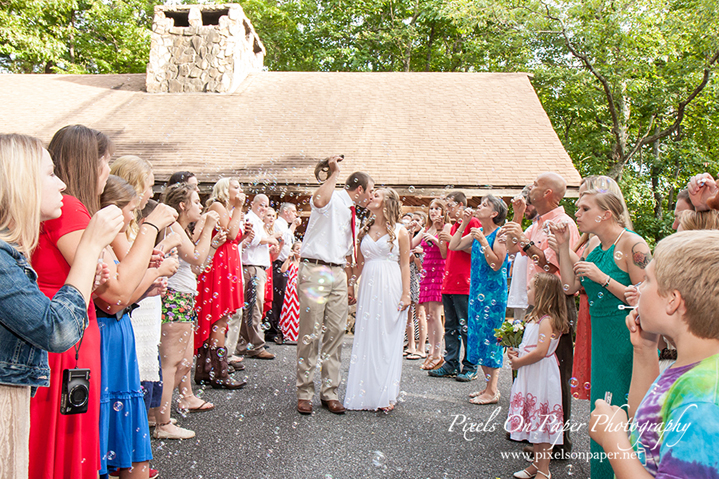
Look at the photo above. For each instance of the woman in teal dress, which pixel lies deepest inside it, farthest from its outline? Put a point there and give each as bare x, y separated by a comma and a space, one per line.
487, 292
614, 260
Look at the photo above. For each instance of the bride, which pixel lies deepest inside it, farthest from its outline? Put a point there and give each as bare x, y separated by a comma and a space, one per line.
383, 295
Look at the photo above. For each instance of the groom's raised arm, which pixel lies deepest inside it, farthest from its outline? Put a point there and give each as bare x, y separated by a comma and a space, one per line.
323, 194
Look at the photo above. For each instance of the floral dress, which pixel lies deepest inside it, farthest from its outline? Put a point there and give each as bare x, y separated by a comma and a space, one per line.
535, 408
487, 307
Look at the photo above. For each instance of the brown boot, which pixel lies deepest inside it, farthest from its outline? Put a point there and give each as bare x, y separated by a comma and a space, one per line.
203, 365
219, 376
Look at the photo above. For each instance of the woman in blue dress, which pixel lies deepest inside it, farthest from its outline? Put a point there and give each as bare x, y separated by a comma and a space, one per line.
487, 292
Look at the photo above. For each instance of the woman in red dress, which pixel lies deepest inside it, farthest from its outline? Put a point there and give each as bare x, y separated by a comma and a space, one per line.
219, 289
69, 446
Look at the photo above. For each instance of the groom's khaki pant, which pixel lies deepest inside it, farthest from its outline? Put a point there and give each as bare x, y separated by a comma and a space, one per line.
323, 318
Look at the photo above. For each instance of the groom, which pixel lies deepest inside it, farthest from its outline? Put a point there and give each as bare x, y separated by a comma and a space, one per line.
327, 254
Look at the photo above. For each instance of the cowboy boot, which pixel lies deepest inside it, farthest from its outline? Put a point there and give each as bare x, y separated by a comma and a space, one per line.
203, 365
219, 376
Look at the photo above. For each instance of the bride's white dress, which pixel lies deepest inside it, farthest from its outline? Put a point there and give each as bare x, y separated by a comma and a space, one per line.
376, 361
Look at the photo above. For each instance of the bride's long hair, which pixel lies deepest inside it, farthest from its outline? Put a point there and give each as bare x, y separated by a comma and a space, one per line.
392, 210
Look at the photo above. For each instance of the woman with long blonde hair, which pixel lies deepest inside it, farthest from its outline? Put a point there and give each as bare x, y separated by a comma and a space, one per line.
31, 324
220, 289
383, 296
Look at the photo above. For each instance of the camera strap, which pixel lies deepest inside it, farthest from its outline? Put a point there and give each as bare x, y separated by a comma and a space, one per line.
77, 349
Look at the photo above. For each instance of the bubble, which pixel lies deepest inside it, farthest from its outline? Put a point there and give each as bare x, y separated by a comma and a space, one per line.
618, 255
250, 346
565, 287
480, 297
464, 329
598, 219
486, 342
411, 189
378, 458
492, 265
591, 303
569, 469
535, 258
306, 339
600, 295
221, 352
265, 326
117, 406
402, 396
587, 386
546, 268
494, 302
575, 395
110, 455
574, 382
316, 293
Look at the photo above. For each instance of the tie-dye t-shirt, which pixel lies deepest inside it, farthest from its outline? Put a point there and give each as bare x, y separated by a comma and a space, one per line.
676, 427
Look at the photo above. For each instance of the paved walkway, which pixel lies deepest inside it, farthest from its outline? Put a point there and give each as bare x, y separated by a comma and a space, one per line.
257, 433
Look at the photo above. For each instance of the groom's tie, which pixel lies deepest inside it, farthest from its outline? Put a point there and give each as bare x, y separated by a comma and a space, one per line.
354, 240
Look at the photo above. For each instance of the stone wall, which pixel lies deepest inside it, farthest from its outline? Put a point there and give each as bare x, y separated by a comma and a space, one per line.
202, 48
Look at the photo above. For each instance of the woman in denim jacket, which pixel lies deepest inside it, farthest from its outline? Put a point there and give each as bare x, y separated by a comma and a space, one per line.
30, 323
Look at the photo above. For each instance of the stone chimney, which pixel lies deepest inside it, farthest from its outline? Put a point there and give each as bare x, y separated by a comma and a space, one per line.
202, 48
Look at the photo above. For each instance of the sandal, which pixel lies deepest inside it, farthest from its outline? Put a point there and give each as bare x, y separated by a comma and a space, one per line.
413, 356
387, 409
493, 400
205, 406
432, 363
476, 393
524, 474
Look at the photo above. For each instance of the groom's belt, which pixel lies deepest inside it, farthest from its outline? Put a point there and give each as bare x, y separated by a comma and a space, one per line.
323, 263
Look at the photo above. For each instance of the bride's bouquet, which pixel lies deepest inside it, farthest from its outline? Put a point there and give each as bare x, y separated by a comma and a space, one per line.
510, 333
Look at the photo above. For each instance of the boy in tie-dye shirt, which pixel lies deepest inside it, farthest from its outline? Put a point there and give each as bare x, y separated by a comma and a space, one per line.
675, 427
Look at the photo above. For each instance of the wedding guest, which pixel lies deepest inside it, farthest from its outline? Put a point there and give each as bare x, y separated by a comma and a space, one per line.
698, 220
614, 259
488, 290
545, 194
31, 324
455, 296
285, 226
178, 308
535, 410
430, 288
580, 382
184, 177
290, 314
255, 261
62, 445
219, 288
683, 204
416, 331
269, 221
517, 295
677, 300
124, 429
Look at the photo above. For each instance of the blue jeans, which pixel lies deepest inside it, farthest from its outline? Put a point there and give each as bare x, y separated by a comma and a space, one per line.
455, 331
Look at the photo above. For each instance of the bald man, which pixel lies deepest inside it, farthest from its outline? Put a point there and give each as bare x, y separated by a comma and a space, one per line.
255, 262
545, 194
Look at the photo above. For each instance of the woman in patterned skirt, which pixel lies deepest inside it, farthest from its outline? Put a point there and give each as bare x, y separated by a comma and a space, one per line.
290, 314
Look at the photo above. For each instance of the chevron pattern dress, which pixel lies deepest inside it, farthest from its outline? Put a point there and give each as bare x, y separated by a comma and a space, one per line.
290, 314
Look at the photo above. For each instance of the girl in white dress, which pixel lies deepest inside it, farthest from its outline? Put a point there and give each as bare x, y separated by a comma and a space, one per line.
535, 409
383, 295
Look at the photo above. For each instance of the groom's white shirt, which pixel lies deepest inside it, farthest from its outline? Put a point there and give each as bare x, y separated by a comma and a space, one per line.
328, 236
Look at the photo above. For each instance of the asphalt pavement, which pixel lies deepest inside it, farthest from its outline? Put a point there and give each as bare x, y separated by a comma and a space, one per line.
433, 433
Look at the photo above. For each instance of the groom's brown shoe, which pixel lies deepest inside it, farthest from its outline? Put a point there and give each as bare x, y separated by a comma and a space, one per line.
334, 406
304, 406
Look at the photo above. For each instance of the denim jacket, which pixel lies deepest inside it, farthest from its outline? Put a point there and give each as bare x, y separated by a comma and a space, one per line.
31, 324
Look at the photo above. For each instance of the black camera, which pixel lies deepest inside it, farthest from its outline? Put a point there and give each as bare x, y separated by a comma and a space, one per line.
75, 391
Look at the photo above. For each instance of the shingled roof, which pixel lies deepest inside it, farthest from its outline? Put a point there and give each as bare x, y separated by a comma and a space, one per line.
418, 132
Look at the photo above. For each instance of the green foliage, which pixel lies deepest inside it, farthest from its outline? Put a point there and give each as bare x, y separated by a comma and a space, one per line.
75, 36
611, 74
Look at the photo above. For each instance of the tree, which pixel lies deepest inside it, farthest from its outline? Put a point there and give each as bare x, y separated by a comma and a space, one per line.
75, 36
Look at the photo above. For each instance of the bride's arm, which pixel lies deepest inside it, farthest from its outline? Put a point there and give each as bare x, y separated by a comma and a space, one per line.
404, 252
